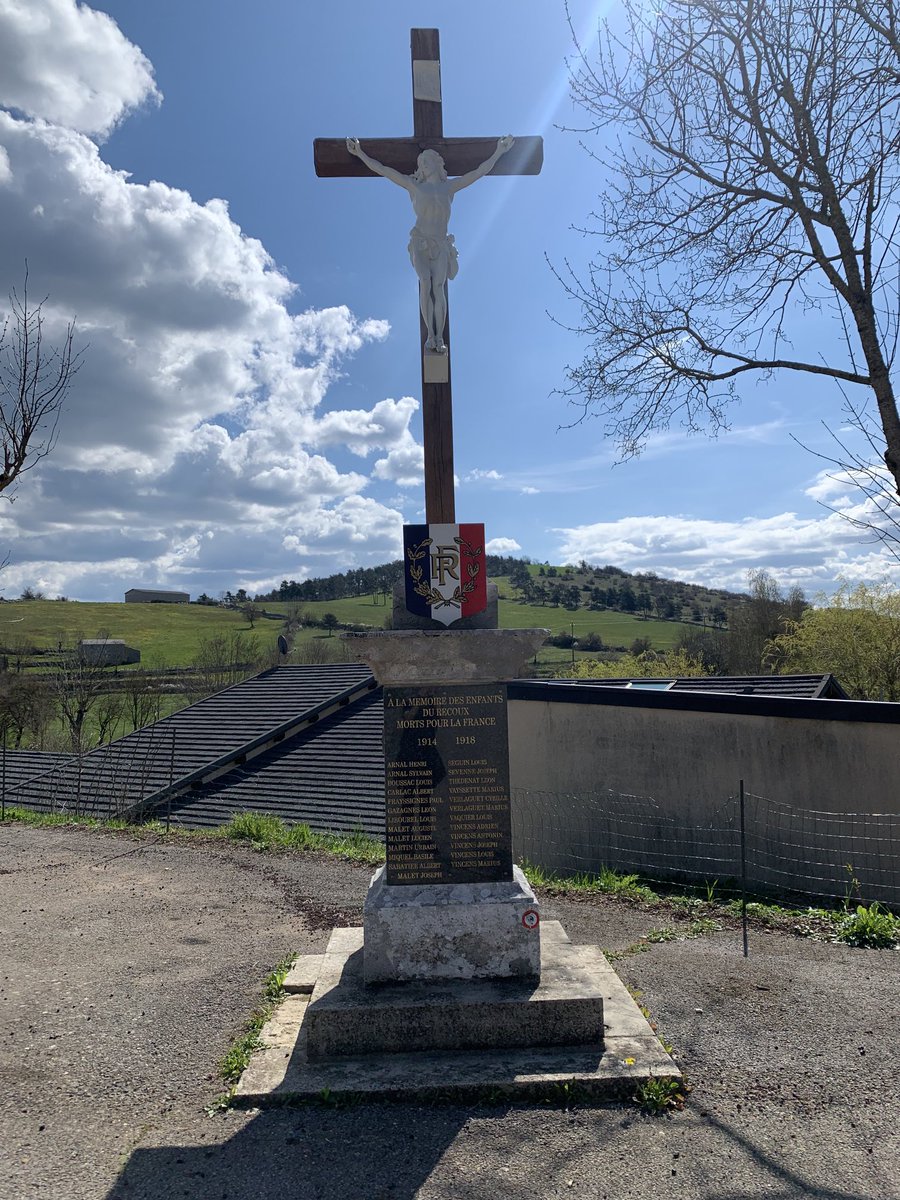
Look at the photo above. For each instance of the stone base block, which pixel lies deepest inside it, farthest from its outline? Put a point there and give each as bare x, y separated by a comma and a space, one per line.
629, 1053
347, 1018
415, 657
451, 931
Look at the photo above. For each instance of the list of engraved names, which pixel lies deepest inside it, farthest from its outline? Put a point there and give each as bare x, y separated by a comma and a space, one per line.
447, 785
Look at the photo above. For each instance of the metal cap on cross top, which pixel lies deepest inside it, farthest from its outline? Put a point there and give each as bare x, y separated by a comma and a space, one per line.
431, 248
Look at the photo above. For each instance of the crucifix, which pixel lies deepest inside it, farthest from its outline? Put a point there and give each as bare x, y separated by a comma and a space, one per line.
421, 164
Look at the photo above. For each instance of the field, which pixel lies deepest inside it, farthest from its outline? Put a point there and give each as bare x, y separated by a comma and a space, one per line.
170, 635
166, 634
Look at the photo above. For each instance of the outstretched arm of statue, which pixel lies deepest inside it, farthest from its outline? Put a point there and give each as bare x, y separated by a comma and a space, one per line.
462, 181
379, 168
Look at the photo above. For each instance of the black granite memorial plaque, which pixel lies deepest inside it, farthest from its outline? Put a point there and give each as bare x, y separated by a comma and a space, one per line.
447, 784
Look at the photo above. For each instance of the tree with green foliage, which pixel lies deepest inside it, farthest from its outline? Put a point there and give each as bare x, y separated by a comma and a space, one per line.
330, 622
855, 635
673, 664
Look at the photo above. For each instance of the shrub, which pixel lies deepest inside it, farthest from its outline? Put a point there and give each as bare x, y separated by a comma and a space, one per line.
873, 926
591, 641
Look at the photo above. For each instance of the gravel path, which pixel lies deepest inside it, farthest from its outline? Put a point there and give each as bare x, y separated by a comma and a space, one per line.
126, 967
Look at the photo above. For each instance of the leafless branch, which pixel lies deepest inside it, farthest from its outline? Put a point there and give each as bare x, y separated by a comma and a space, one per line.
752, 153
34, 381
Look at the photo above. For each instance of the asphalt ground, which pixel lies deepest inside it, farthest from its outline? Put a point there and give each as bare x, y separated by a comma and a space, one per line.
127, 966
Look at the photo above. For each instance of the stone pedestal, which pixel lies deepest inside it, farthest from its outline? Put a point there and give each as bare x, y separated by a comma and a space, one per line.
449, 905
451, 931
455, 988
347, 1017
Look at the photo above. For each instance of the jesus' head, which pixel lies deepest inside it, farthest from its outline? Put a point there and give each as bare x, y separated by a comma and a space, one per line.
430, 166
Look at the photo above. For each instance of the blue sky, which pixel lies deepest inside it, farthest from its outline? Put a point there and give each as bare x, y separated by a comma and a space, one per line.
248, 406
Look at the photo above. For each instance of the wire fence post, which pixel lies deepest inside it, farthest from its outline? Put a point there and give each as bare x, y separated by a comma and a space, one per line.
743, 873
3, 791
171, 779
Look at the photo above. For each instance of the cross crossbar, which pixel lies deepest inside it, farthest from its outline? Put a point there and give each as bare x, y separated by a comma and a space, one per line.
334, 161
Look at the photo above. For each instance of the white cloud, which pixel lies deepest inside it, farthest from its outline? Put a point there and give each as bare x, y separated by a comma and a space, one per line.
193, 450
404, 466
475, 475
69, 64
810, 552
502, 545
361, 432
530, 491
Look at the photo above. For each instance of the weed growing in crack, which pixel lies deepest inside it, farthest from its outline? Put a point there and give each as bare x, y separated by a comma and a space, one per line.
659, 1095
241, 1049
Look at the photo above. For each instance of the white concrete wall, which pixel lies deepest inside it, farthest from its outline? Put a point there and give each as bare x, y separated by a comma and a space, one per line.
679, 771
837, 766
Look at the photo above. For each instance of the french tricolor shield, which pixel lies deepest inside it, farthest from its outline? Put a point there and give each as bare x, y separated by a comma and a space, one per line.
445, 572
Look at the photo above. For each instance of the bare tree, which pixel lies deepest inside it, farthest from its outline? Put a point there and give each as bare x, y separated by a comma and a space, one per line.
109, 710
26, 709
753, 625
34, 380
78, 686
754, 161
221, 660
142, 698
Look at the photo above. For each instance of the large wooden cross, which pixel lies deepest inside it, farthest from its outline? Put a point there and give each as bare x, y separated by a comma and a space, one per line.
332, 158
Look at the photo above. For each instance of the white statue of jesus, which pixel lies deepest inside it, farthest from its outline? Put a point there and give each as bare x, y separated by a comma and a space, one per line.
431, 248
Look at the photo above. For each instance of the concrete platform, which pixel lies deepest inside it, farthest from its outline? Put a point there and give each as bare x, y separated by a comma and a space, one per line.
282, 1071
347, 1018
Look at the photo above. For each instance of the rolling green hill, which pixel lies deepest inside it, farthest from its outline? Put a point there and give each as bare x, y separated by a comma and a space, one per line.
165, 634
171, 634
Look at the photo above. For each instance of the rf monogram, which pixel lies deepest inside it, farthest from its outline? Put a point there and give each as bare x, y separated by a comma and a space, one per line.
445, 561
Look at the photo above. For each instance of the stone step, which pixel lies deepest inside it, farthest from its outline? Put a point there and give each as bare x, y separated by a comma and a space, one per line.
346, 1018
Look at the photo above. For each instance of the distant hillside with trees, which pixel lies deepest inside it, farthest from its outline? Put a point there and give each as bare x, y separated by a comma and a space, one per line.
572, 587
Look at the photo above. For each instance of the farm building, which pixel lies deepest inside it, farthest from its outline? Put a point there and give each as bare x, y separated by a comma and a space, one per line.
107, 652
155, 596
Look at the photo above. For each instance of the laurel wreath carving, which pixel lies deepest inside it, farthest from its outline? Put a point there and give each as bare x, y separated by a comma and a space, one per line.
431, 595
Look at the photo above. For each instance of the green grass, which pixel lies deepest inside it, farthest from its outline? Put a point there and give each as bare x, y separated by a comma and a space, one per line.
606, 882
616, 629
265, 832
659, 1095
239, 1052
166, 634
873, 926
170, 634
260, 830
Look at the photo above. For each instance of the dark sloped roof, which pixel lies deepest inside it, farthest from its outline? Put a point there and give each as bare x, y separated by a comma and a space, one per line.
18, 766
138, 771
809, 687
329, 776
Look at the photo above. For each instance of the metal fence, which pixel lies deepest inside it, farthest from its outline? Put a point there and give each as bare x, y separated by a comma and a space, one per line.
784, 850
105, 783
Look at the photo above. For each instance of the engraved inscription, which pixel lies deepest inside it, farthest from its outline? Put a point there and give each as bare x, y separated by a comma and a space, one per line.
447, 785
